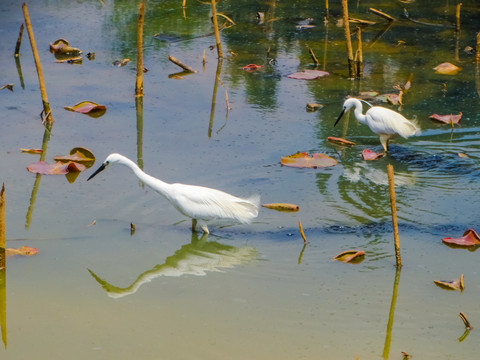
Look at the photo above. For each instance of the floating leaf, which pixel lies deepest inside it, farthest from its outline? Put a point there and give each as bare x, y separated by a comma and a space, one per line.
340, 141
308, 75
447, 119
252, 67
61, 46
447, 69
462, 155
469, 238
79, 155
447, 285
314, 107
7, 86
371, 155
351, 256
24, 250
302, 159
31, 151
281, 206
88, 107
41, 167
303, 27
121, 63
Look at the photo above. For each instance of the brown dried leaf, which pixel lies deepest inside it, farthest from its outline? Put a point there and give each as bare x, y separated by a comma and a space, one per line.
61, 46
121, 63
340, 141
88, 107
24, 250
282, 207
447, 68
351, 256
31, 151
79, 155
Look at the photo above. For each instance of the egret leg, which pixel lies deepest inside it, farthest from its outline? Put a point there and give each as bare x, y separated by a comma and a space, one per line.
203, 226
194, 224
384, 139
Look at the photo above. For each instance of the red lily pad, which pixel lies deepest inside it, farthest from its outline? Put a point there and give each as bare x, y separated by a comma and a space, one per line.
351, 256
308, 75
252, 67
447, 68
89, 108
371, 155
447, 119
302, 159
340, 141
469, 238
43, 168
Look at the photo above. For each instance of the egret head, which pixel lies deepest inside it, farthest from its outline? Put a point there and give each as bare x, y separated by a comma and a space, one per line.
347, 105
111, 159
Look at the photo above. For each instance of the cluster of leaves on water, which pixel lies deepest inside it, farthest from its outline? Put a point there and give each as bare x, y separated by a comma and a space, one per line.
77, 161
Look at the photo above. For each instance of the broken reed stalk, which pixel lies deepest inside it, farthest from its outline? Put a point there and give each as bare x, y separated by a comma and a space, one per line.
360, 54
382, 14
457, 15
19, 42
2, 227
182, 65
43, 91
326, 9
217, 32
139, 80
315, 60
300, 228
346, 27
391, 186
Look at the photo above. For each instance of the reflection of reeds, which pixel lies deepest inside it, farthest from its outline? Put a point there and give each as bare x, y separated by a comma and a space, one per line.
19, 41
2, 227
391, 314
43, 91
391, 185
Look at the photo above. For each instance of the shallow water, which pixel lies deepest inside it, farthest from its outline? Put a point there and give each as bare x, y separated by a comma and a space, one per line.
249, 291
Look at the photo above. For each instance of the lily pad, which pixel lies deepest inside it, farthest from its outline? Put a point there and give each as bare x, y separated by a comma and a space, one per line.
447, 68
302, 159
371, 155
88, 107
308, 75
447, 119
340, 141
282, 207
469, 238
59, 168
351, 256
79, 155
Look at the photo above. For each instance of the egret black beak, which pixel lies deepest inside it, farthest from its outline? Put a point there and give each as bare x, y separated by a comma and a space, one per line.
101, 168
341, 114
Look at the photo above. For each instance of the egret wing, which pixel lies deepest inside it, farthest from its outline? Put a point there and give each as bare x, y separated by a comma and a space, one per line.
385, 121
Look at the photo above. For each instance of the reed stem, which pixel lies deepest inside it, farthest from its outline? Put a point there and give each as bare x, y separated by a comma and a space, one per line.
391, 186
346, 27
217, 32
19, 42
139, 80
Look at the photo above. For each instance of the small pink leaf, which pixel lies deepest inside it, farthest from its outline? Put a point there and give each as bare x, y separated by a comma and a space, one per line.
371, 155
447, 119
340, 141
302, 159
308, 75
252, 67
88, 107
469, 238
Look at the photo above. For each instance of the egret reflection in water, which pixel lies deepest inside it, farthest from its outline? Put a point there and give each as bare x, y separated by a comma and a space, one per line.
196, 258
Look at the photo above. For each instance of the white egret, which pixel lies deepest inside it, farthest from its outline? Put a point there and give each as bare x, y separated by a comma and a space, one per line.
382, 121
199, 203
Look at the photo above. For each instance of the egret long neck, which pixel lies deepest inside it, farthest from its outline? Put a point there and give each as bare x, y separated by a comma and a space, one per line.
156, 184
362, 119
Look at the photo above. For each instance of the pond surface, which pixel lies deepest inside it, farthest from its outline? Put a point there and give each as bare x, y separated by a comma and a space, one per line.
245, 291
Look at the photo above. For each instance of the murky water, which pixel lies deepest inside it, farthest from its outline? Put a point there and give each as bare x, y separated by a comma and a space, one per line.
249, 291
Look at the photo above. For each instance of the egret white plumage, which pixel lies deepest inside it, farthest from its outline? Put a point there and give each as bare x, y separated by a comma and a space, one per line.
382, 121
199, 203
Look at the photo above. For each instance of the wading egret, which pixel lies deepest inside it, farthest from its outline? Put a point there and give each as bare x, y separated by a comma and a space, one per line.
382, 121
199, 203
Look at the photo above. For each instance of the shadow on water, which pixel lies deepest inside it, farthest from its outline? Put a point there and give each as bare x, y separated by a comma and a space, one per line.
196, 258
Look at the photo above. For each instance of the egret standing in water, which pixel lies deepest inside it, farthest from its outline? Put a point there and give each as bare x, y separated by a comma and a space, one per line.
382, 121
200, 203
